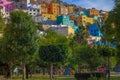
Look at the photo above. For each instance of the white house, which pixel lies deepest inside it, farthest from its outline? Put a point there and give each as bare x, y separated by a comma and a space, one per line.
33, 9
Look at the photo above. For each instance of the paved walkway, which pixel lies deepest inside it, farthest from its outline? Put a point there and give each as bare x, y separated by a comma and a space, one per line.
115, 73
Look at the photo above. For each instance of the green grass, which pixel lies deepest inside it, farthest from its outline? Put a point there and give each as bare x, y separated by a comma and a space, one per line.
45, 78
40, 77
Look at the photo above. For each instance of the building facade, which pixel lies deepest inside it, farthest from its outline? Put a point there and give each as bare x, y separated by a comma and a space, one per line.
94, 30
94, 12
49, 16
65, 20
67, 31
54, 8
44, 8
82, 20
34, 9
70, 9
63, 10
6, 7
86, 20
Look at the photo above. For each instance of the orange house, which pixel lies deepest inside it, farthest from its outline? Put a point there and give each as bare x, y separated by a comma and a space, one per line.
54, 8
94, 12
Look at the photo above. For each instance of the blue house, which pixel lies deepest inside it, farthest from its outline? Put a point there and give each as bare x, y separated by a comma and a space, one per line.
86, 13
76, 29
50, 22
106, 43
94, 30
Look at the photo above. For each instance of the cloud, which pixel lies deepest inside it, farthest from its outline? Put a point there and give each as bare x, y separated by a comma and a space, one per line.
98, 4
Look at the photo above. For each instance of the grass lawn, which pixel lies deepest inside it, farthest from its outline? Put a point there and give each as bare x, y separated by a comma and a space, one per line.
46, 78
38, 77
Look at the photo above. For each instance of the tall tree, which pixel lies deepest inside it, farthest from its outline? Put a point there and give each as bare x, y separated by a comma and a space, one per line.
82, 35
89, 56
111, 27
53, 49
107, 52
1, 23
20, 37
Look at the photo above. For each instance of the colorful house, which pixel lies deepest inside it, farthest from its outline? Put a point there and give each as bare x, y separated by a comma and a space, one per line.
34, 9
2, 11
54, 8
44, 8
93, 12
49, 16
82, 13
39, 18
94, 30
8, 5
67, 31
65, 20
86, 20
46, 1
63, 10
5, 8
82, 20
70, 9
50, 22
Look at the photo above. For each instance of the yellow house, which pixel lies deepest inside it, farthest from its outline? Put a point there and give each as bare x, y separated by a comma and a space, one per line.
49, 16
54, 8
86, 20
70, 9
71, 32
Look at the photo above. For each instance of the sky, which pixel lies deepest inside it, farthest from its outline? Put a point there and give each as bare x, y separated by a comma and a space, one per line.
106, 5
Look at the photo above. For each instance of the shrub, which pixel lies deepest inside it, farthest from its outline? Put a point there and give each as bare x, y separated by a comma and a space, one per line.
85, 76
92, 78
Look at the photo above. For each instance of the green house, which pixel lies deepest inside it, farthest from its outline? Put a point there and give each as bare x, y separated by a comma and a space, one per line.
65, 20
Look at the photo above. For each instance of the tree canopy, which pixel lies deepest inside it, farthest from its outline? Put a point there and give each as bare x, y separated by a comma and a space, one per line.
20, 37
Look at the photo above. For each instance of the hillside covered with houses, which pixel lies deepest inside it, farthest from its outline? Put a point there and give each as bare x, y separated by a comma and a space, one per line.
59, 16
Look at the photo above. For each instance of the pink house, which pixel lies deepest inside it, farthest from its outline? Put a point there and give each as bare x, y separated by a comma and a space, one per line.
8, 5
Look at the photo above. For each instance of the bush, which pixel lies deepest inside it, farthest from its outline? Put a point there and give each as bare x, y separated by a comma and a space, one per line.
92, 78
86, 76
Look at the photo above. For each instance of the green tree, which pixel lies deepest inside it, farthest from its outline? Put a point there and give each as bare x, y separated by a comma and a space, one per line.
111, 27
53, 49
20, 37
88, 56
1, 23
40, 26
82, 35
107, 52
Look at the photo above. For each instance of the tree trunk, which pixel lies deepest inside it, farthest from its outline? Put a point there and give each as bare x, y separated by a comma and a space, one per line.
79, 70
43, 71
11, 71
51, 71
109, 68
24, 70
27, 72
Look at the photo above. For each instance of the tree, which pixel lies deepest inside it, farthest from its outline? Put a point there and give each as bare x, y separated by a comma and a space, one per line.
89, 56
107, 52
1, 23
81, 36
40, 26
111, 27
53, 49
20, 37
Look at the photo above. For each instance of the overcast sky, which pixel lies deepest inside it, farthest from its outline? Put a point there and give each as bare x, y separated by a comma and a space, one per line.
106, 5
